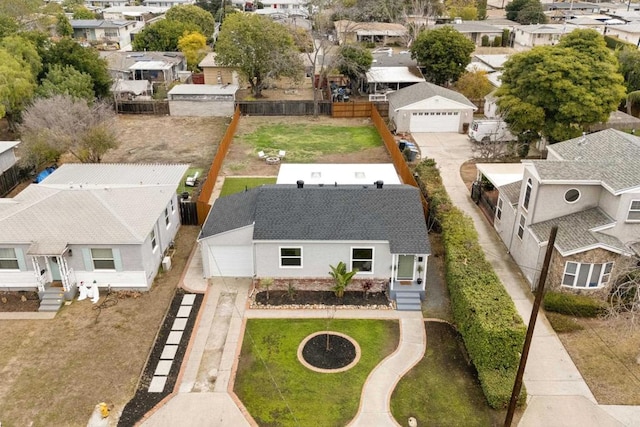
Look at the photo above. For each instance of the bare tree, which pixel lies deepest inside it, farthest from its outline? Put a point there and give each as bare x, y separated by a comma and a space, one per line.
60, 124
417, 15
625, 289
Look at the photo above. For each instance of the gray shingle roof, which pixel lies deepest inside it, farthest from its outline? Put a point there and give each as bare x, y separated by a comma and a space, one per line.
511, 191
419, 91
575, 231
609, 157
352, 213
472, 27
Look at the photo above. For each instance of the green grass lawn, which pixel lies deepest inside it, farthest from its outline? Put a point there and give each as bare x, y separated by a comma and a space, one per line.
303, 142
279, 391
182, 188
234, 185
442, 389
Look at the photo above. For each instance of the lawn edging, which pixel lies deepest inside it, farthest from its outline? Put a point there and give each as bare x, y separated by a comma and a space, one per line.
492, 330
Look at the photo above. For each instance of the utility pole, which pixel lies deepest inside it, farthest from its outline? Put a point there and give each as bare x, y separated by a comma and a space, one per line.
532, 324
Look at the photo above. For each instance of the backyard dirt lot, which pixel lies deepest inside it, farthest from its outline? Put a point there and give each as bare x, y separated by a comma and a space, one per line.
166, 139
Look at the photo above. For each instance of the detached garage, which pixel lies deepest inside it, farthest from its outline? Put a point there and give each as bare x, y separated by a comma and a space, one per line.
426, 107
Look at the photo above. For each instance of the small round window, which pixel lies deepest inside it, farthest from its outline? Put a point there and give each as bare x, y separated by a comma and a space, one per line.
572, 195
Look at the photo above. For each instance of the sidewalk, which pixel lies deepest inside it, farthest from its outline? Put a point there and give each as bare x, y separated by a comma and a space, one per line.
557, 393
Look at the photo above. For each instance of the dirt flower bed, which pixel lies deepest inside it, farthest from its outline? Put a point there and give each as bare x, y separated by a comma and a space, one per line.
19, 301
317, 294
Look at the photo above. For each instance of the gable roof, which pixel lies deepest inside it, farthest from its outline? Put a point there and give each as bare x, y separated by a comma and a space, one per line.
7, 145
335, 213
511, 192
609, 157
472, 27
106, 211
576, 232
420, 91
394, 75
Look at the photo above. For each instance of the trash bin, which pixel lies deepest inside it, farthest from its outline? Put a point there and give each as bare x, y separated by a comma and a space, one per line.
410, 153
402, 144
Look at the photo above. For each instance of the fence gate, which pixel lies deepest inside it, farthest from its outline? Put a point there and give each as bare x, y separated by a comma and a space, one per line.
188, 213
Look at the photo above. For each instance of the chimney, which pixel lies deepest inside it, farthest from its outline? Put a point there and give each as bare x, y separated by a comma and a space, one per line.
379, 184
300, 183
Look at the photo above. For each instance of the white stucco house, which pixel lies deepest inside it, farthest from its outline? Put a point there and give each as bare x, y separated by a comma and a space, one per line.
108, 224
540, 34
298, 231
426, 107
114, 32
590, 188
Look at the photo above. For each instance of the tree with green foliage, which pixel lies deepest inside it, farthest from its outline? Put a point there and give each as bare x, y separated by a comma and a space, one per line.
629, 60
194, 47
62, 124
558, 91
81, 12
63, 26
25, 51
162, 36
354, 61
19, 9
341, 278
260, 48
443, 53
531, 12
84, 59
66, 80
8, 26
474, 84
191, 14
17, 85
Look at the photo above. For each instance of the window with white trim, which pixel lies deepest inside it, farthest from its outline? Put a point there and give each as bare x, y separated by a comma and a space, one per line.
585, 275
290, 257
173, 208
499, 209
527, 194
634, 211
102, 259
8, 259
152, 237
523, 220
167, 219
362, 260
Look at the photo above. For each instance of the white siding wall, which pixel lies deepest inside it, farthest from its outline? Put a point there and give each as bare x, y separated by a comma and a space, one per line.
504, 226
201, 108
317, 258
7, 159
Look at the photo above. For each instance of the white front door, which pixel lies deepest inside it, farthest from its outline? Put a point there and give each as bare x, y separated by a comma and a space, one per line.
405, 267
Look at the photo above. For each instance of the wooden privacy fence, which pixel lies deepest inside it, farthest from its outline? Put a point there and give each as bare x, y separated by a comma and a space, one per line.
396, 155
188, 212
204, 199
358, 109
282, 108
156, 107
8, 180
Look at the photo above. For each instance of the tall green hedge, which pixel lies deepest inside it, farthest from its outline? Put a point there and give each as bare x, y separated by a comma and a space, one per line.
486, 317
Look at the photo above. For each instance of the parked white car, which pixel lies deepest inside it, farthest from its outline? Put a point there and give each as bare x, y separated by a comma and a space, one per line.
491, 130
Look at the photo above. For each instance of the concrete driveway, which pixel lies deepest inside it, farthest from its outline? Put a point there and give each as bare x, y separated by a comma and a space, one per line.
550, 376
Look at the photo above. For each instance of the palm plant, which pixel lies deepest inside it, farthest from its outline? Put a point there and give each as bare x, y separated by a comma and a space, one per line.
341, 278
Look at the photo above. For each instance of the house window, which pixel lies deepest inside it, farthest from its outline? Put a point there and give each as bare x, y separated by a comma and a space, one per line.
103, 259
634, 211
584, 275
572, 195
8, 259
166, 217
362, 260
521, 226
499, 209
173, 208
152, 236
527, 195
290, 257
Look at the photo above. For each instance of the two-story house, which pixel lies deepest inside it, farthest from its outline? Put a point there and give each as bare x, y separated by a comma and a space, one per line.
590, 188
109, 33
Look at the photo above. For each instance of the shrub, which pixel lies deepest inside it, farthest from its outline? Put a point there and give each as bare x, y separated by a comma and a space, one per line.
614, 43
486, 317
573, 305
497, 42
505, 37
485, 41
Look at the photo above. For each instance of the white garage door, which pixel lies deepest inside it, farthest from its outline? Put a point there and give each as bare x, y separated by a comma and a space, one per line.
231, 261
435, 121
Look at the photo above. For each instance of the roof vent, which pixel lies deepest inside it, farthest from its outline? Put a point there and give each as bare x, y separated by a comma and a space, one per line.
379, 184
300, 183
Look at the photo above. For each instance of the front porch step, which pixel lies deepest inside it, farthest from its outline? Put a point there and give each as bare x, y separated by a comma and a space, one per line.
408, 301
51, 299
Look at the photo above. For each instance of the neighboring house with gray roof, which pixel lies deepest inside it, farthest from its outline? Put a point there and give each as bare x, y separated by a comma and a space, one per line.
426, 107
105, 32
108, 224
540, 34
475, 30
590, 188
299, 231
